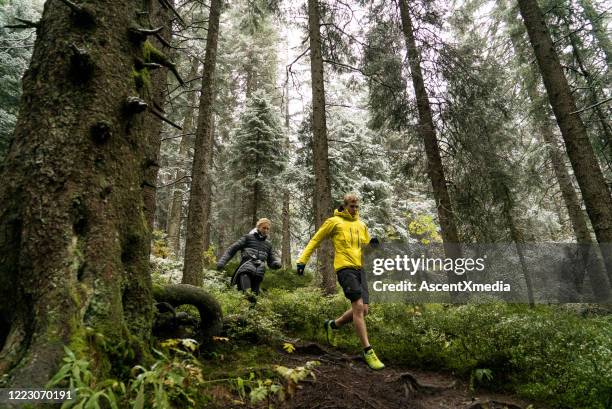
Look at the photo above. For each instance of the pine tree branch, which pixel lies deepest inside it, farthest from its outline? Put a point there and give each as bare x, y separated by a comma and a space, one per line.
592, 106
175, 181
24, 24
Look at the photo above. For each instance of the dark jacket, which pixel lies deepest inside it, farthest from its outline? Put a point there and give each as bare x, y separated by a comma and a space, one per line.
256, 250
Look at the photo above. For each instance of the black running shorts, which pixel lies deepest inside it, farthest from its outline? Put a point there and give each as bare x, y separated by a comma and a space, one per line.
354, 284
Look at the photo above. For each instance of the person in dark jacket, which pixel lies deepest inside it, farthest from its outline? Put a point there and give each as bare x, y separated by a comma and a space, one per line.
256, 250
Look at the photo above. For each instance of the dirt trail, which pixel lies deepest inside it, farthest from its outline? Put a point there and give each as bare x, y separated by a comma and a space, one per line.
344, 381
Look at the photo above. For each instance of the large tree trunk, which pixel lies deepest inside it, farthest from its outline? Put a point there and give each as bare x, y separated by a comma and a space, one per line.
74, 240
180, 184
595, 191
200, 178
435, 170
322, 189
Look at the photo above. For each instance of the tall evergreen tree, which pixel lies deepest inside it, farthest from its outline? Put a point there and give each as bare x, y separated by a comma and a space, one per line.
427, 130
258, 155
199, 195
595, 191
322, 201
540, 113
180, 176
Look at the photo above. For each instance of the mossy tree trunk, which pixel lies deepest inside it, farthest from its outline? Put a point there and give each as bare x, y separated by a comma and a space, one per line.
322, 202
200, 174
74, 238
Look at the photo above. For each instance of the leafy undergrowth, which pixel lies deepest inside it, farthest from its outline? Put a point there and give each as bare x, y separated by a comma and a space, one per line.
554, 354
561, 355
233, 376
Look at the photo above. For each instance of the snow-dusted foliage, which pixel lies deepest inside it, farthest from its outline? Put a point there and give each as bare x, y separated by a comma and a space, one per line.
15, 52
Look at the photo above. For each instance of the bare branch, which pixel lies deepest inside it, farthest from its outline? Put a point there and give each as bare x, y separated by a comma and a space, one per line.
297, 58
151, 65
163, 40
24, 24
146, 31
605, 101
85, 15
161, 116
169, 6
172, 68
175, 181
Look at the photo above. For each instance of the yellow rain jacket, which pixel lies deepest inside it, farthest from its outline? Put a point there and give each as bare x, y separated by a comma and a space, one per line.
349, 235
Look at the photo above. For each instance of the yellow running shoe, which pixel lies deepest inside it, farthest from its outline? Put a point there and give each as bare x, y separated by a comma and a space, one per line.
372, 360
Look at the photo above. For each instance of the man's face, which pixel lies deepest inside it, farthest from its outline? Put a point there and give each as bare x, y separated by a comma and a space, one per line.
352, 207
264, 229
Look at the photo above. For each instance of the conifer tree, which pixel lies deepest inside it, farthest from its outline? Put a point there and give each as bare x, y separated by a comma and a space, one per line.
258, 156
595, 191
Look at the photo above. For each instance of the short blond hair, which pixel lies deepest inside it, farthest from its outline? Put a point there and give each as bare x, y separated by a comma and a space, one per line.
350, 197
263, 220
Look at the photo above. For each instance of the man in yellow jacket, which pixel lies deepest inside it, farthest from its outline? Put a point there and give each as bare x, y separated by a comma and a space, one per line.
349, 235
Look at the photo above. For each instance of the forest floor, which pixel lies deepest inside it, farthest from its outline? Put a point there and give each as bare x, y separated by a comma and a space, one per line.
344, 381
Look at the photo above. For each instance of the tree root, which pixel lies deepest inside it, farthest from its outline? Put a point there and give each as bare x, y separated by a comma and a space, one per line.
412, 385
210, 311
492, 404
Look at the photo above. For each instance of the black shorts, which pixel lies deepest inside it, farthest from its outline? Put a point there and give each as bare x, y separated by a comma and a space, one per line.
354, 284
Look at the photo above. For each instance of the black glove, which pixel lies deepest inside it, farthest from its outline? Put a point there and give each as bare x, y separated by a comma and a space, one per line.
374, 242
300, 269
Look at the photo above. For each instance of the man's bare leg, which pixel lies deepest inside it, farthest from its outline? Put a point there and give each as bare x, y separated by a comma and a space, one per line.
359, 322
347, 316
357, 315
